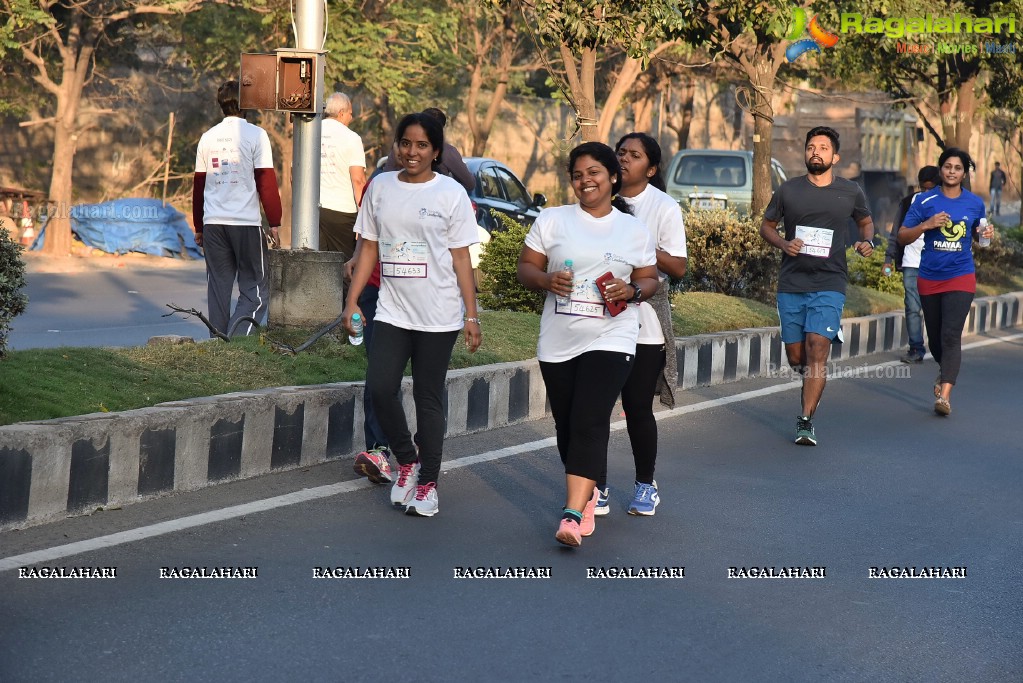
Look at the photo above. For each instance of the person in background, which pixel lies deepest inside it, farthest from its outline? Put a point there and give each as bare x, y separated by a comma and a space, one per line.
906, 259
816, 209
418, 224
452, 164
996, 183
374, 462
585, 354
342, 176
234, 174
948, 217
655, 368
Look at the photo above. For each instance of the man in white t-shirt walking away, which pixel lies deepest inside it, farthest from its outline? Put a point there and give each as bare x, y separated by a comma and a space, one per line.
342, 176
234, 174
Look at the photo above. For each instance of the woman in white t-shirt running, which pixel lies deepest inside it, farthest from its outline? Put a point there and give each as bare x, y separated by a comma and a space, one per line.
655, 370
585, 354
419, 225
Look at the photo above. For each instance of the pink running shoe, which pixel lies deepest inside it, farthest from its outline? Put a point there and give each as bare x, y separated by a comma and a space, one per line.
589, 522
424, 503
374, 465
568, 533
405, 486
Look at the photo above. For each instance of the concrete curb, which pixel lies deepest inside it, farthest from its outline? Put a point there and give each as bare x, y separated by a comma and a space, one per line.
55, 468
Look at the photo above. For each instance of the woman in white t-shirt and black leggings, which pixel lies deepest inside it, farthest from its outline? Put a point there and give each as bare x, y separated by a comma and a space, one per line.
655, 370
586, 354
419, 225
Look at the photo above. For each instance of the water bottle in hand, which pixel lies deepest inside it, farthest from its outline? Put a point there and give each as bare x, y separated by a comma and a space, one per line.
356, 339
984, 241
567, 300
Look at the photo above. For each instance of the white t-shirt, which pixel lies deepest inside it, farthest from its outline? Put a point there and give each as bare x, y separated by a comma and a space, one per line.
663, 218
618, 243
415, 226
228, 154
911, 254
340, 149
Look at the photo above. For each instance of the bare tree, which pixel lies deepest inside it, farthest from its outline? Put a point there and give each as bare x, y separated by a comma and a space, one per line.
62, 40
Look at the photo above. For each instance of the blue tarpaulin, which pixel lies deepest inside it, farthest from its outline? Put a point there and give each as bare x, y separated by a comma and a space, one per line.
124, 225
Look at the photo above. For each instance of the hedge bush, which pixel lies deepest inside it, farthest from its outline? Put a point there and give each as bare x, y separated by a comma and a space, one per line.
869, 272
499, 286
996, 263
727, 255
12, 279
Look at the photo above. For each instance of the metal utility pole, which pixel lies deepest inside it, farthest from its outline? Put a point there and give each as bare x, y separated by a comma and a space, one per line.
305, 172
306, 284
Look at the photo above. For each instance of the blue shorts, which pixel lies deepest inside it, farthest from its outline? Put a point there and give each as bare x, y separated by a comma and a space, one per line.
817, 312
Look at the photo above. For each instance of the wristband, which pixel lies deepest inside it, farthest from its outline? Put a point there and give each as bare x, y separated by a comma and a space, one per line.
473, 320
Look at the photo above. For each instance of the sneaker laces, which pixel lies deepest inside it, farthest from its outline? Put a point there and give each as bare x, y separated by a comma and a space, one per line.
423, 490
404, 472
803, 423
645, 491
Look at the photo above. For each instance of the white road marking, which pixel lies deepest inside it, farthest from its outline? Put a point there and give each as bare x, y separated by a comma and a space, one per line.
305, 495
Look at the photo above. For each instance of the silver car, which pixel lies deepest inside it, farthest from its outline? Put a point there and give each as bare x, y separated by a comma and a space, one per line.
716, 178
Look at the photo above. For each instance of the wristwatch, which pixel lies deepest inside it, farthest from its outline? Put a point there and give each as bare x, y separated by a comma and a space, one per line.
638, 294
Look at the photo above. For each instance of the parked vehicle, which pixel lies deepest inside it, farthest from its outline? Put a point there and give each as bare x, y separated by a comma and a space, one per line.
500, 189
716, 178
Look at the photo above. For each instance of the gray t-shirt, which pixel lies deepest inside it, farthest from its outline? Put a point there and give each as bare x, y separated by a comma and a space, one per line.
817, 210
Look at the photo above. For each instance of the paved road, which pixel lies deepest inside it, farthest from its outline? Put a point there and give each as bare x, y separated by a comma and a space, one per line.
98, 304
891, 485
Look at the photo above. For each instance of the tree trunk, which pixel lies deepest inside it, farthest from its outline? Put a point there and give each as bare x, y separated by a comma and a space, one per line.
58, 226
1019, 188
481, 129
945, 105
966, 109
761, 71
643, 99
623, 82
76, 57
687, 94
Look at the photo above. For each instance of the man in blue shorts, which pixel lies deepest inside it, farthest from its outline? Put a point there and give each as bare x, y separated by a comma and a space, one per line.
815, 210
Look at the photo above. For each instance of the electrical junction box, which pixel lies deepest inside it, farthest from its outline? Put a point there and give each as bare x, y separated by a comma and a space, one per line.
286, 80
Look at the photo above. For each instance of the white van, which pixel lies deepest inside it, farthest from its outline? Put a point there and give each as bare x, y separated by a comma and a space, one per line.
716, 178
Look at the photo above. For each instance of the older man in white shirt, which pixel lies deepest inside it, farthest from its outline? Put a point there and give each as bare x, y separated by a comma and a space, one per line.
342, 176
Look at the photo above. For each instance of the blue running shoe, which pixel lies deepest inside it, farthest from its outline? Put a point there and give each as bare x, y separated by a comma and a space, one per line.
602, 507
645, 500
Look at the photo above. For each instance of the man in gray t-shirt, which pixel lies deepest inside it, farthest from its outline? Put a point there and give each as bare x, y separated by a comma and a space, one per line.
815, 209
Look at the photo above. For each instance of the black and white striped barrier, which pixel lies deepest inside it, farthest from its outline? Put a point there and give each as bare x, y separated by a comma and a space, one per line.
69, 466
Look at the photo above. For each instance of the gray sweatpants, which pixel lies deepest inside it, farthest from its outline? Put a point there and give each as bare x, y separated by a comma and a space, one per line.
236, 252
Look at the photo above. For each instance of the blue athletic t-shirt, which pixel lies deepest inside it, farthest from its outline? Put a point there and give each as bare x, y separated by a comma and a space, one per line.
947, 251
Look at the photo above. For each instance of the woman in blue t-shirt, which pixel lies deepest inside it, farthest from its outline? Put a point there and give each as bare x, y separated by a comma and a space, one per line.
948, 217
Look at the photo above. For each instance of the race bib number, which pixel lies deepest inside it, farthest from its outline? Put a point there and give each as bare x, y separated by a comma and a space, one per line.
586, 301
816, 241
403, 259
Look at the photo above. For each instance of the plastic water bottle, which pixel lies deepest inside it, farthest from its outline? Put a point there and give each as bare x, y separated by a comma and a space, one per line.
357, 338
566, 300
984, 242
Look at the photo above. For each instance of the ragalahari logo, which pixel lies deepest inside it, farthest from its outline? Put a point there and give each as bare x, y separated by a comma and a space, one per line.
818, 37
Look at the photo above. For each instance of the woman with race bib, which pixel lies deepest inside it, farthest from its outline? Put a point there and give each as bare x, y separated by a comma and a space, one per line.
419, 225
585, 353
948, 217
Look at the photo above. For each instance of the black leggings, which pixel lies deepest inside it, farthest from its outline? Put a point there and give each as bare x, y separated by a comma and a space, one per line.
582, 392
430, 353
638, 404
944, 317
